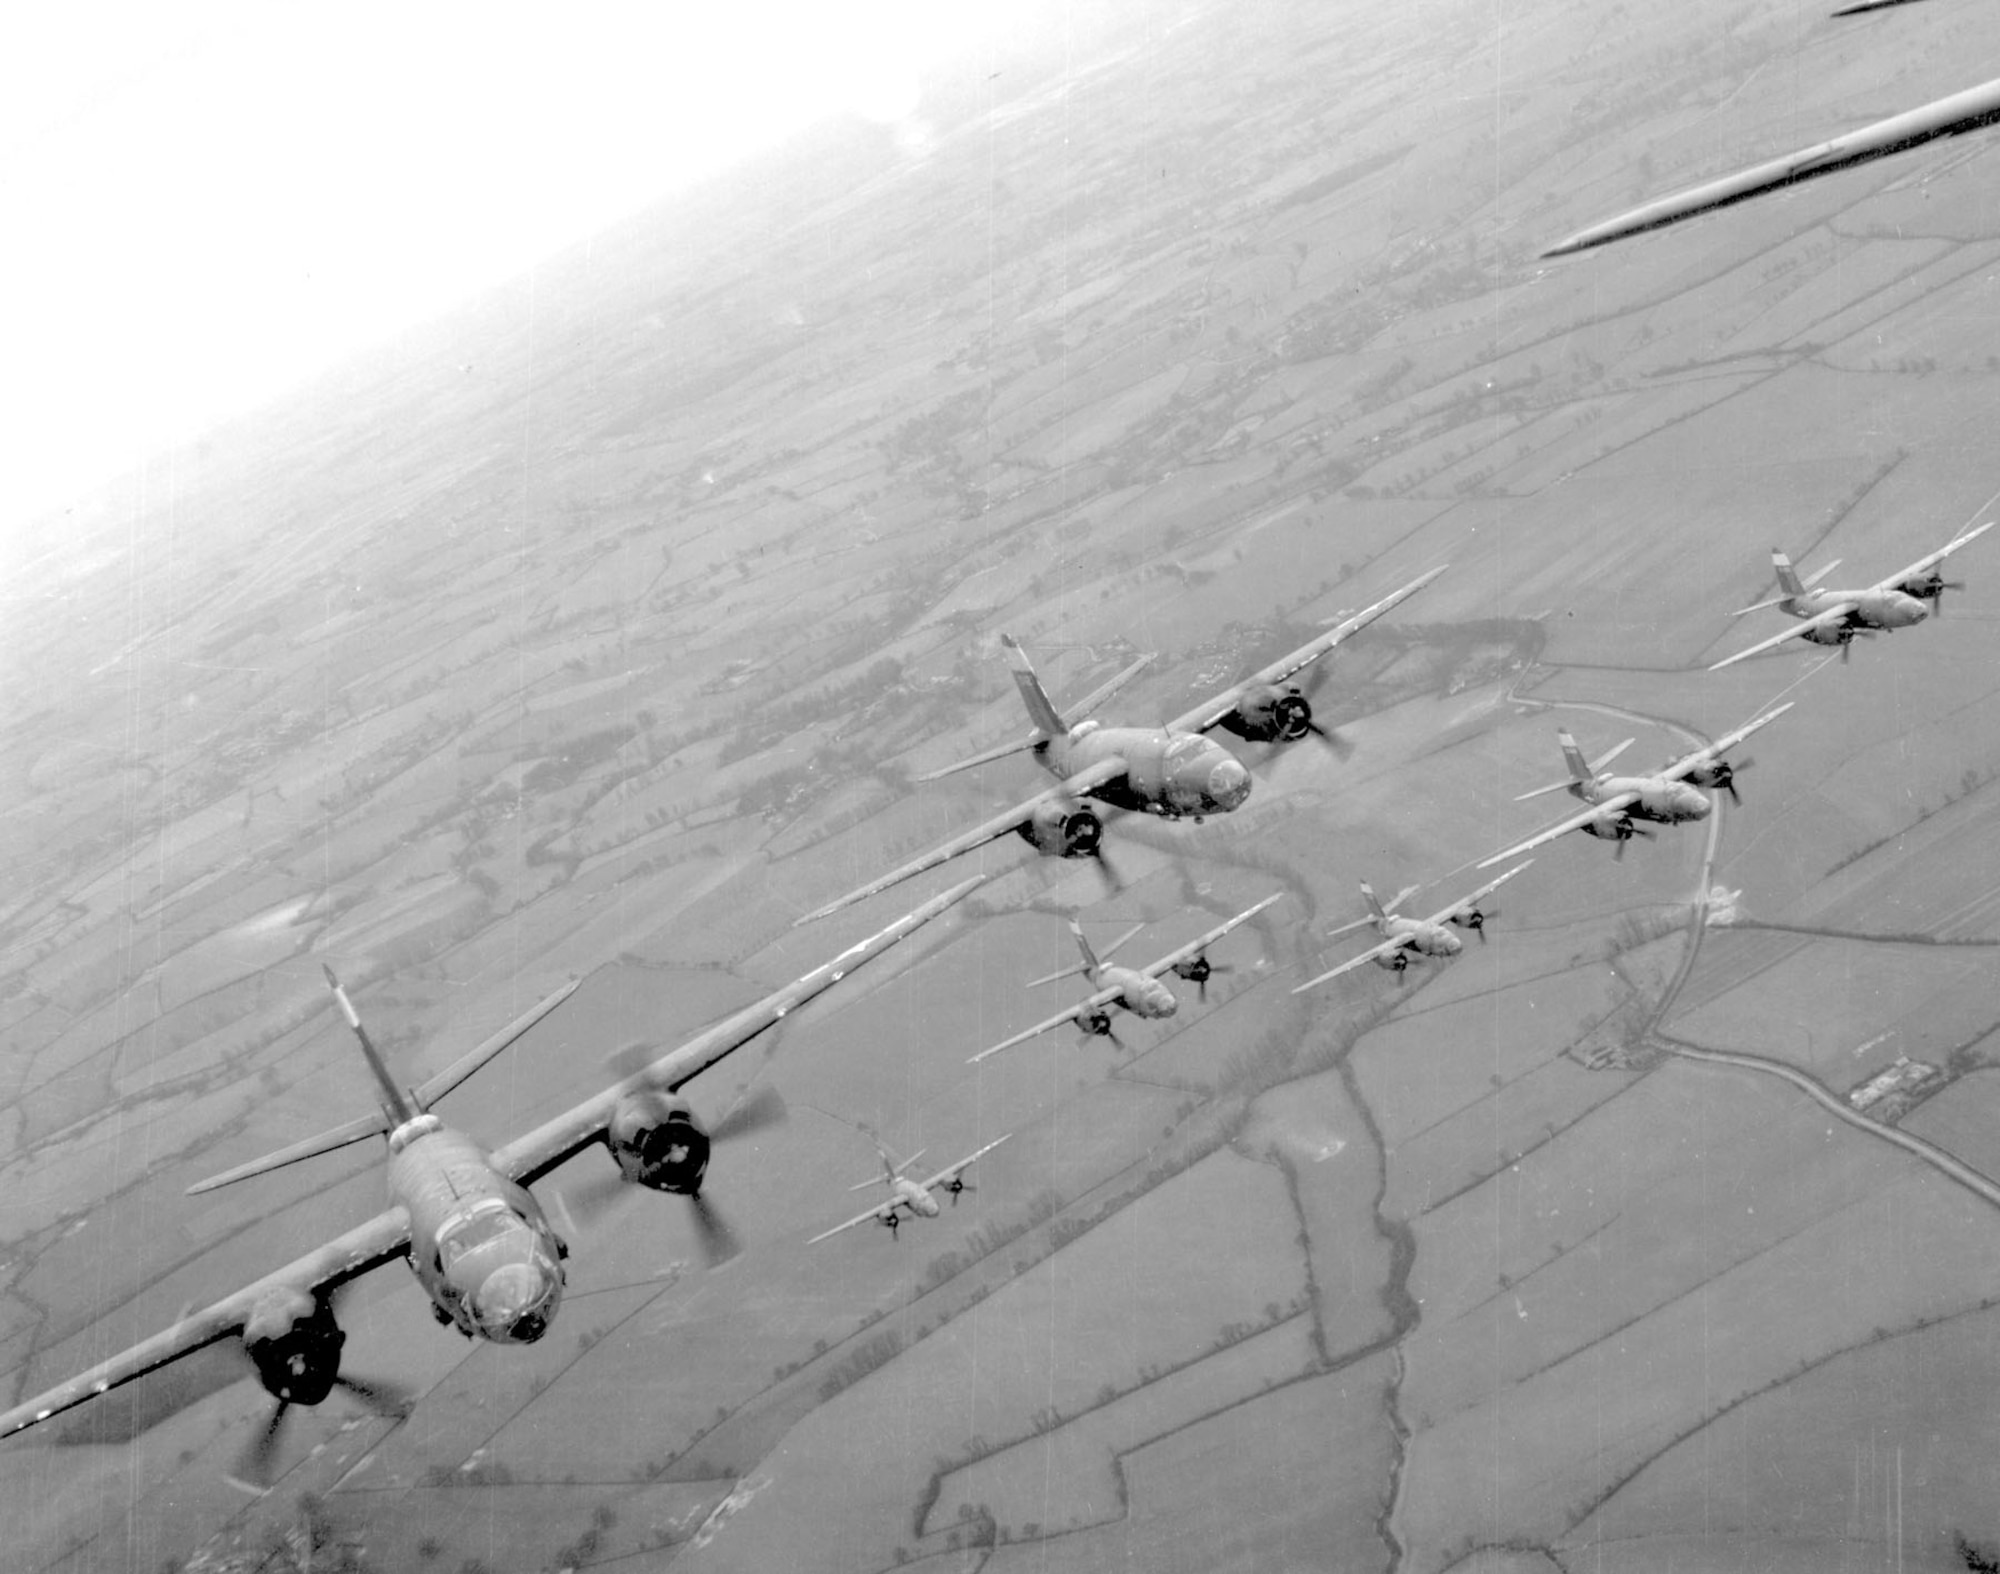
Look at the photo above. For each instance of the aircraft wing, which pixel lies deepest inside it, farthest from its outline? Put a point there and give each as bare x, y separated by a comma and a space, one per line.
1944, 117
951, 1172
1480, 895
382, 1239
1207, 714
1103, 997
880, 1211
1925, 564
529, 1157
1583, 816
1724, 744
1832, 617
1084, 781
1384, 948
1196, 946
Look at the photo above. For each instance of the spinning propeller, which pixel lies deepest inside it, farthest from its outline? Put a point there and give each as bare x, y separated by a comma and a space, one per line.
589, 1200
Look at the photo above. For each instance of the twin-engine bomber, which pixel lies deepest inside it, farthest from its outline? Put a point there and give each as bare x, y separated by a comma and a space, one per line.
1616, 805
1138, 990
1175, 771
474, 1235
1838, 617
1407, 938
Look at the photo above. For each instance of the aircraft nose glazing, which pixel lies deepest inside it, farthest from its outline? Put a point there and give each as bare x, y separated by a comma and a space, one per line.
514, 1304
1228, 783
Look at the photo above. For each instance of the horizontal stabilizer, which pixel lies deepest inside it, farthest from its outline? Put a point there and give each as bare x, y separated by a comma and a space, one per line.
1049, 978
474, 1058
357, 1130
1759, 606
997, 752
1523, 797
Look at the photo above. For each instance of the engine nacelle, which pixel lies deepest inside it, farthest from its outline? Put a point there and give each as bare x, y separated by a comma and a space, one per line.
1063, 831
1275, 713
1097, 1023
1831, 634
658, 1142
295, 1345
1716, 773
1613, 827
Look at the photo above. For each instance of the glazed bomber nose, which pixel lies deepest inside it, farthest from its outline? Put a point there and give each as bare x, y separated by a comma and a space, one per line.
1229, 783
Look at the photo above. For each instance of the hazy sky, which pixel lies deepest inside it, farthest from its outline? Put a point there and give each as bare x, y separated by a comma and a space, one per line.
205, 201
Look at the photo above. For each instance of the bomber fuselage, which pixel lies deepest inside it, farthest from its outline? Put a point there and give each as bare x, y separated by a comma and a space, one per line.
1660, 799
1418, 934
1873, 609
1173, 774
479, 1243
1137, 993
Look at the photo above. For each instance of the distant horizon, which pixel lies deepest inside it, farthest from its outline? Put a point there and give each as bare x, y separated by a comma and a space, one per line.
210, 273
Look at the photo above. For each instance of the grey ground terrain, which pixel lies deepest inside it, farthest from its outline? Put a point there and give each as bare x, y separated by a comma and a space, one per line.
599, 630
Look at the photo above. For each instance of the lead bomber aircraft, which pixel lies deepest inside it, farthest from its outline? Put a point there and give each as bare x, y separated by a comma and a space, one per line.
1836, 617
1174, 771
1614, 805
462, 1217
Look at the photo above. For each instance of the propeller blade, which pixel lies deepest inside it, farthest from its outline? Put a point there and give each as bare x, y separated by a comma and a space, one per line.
628, 1060
1201, 988
589, 1200
390, 1401
718, 1241
1342, 748
1117, 1043
1112, 884
252, 1470
753, 1112
1735, 797
962, 1186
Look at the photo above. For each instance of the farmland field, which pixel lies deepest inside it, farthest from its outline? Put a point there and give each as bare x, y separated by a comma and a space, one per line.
1185, 335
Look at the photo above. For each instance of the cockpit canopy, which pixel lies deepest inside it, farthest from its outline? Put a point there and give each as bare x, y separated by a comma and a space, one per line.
488, 1222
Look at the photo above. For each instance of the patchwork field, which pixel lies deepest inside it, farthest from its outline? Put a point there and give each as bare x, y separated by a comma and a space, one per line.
1180, 334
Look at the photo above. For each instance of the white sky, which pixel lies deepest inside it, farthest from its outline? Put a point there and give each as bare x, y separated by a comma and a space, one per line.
205, 201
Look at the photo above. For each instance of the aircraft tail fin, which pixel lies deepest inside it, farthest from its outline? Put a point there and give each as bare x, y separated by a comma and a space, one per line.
1788, 577
1040, 711
1375, 909
1579, 767
398, 1104
1090, 962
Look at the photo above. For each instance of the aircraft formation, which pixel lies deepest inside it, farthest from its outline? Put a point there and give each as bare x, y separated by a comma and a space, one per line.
490, 1261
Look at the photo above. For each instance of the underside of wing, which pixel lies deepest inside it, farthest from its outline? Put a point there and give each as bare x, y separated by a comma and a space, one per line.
539, 1151
880, 1210
1096, 1002
1196, 946
1725, 743
992, 830
1384, 949
382, 1239
1611, 806
1472, 898
1977, 106
951, 1172
1930, 560
1210, 712
1832, 617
